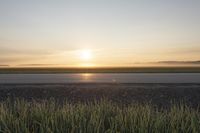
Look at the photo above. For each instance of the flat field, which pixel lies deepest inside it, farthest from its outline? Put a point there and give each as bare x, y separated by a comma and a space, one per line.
161, 95
102, 70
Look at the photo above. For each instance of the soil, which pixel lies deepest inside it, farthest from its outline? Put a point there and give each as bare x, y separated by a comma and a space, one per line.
158, 94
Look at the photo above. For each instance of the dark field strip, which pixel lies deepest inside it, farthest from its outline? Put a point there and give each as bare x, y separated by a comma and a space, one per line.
101, 70
161, 95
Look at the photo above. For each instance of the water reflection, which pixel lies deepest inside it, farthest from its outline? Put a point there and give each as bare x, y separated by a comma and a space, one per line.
102, 78
86, 76
114, 80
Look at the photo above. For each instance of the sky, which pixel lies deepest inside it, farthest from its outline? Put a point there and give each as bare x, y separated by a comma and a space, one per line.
75, 33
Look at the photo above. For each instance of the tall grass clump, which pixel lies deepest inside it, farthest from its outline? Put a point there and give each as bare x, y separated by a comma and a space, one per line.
20, 116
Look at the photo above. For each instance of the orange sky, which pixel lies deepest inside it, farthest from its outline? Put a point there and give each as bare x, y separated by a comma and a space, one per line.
98, 33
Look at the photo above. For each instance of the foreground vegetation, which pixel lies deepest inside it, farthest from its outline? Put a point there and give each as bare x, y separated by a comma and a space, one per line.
47, 116
43, 70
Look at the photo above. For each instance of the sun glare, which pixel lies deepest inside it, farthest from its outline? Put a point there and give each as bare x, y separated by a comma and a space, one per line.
86, 55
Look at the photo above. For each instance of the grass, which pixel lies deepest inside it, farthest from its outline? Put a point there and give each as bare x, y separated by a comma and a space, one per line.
20, 116
38, 70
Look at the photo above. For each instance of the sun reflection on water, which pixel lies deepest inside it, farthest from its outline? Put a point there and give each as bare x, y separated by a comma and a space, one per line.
86, 76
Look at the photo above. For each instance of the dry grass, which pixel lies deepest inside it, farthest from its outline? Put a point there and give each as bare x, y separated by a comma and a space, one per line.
98, 117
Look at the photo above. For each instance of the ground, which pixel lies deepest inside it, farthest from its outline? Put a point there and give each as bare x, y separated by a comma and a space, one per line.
159, 94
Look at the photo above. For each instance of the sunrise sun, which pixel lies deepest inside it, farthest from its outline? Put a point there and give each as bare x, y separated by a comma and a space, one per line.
86, 54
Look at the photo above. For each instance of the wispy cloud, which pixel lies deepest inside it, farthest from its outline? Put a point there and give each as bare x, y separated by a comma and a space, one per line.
39, 65
179, 62
185, 50
4, 65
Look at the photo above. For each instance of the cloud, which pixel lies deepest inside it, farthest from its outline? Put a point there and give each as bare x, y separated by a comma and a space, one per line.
179, 62
185, 50
3, 65
35, 65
